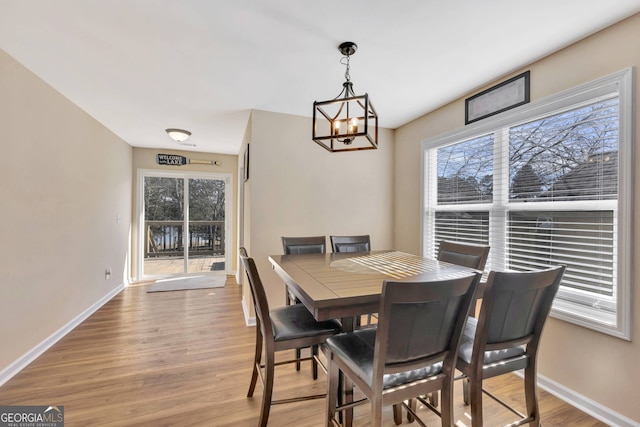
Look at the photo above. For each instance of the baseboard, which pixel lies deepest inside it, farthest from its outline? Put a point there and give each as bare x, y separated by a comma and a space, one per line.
22, 362
589, 406
248, 319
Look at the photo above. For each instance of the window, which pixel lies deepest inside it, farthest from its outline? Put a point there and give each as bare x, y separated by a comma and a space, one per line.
548, 183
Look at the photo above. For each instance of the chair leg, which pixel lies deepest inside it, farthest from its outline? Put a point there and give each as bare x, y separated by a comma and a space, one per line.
333, 385
465, 391
376, 411
267, 393
475, 398
531, 396
397, 414
288, 301
347, 384
433, 398
256, 362
446, 404
314, 362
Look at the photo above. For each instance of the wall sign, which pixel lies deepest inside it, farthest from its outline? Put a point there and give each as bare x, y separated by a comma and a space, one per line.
176, 160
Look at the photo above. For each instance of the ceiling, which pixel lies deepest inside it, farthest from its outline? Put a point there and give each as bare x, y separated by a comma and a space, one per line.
141, 66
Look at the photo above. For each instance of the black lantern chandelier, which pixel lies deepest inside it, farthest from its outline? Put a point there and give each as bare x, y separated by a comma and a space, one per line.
347, 122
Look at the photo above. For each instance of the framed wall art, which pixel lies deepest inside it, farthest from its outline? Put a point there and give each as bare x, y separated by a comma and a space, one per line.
246, 163
501, 97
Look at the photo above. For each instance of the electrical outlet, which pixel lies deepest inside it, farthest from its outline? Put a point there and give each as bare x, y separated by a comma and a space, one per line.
107, 273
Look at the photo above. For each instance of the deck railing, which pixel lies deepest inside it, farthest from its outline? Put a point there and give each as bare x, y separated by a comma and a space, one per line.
166, 238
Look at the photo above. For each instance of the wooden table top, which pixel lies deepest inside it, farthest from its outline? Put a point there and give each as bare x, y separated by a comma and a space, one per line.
341, 285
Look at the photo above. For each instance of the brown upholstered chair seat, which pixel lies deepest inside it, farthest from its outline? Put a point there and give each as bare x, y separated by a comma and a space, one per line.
492, 356
295, 321
358, 348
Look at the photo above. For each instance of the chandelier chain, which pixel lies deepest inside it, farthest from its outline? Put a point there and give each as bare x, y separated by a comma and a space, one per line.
345, 61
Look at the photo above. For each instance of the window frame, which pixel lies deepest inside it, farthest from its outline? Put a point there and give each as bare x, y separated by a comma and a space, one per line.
620, 82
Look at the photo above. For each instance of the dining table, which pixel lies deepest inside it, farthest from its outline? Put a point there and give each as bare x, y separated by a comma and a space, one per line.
347, 285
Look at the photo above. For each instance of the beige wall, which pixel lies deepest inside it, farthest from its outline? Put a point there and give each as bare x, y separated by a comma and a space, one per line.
594, 365
297, 188
64, 181
145, 158
244, 220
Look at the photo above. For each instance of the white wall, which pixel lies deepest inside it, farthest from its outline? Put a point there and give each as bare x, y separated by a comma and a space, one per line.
64, 181
596, 368
297, 188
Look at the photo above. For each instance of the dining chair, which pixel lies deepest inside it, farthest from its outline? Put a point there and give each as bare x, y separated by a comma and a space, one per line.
285, 328
506, 336
353, 244
350, 243
394, 361
302, 245
464, 254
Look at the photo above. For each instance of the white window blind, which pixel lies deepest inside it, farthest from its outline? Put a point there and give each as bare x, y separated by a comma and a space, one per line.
465, 172
544, 186
581, 240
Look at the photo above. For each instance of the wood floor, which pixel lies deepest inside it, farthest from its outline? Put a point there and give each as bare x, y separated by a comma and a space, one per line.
184, 359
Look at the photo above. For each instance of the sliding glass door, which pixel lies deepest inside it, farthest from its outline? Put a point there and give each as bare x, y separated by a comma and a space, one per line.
183, 224
206, 225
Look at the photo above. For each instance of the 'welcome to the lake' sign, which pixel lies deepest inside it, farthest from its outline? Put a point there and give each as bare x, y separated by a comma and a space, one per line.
176, 160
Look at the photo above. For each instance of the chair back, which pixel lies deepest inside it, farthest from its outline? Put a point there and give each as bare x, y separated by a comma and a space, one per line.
466, 255
420, 323
260, 302
515, 307
350, 243
304, 245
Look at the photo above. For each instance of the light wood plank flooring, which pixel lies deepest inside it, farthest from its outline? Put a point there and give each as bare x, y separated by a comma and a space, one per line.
184, 359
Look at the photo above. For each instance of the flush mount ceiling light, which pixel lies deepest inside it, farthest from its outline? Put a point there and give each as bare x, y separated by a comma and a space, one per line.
178, 135
347, 122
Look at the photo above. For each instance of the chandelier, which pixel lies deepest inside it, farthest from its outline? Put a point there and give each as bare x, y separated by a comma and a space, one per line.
347, 122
